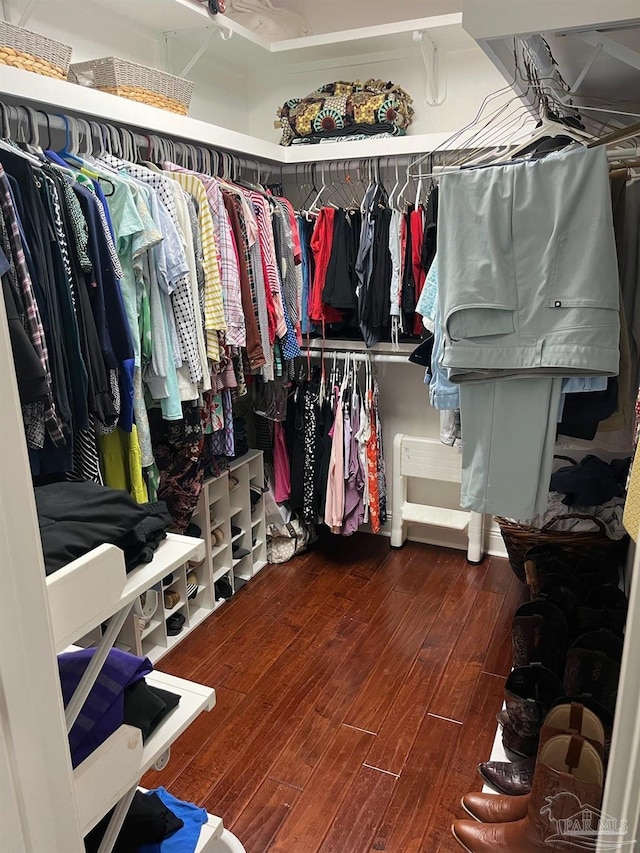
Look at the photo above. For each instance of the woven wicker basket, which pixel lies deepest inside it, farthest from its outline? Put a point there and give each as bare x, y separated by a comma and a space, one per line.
135, 82
21, 48
596, 545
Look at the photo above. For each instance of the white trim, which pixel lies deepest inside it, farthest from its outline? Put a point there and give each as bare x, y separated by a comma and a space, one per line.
31, 713
622, 790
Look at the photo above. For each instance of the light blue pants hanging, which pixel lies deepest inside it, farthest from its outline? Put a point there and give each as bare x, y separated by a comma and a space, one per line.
508, 441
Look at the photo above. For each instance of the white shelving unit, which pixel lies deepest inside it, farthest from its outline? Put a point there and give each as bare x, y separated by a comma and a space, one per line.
88, 599
86, 592
123, 759
221, 507
91, 595
225, 503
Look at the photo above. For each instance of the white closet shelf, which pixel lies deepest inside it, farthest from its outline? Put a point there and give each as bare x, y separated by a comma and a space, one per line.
186, 19
89, 590
120, 762
210, 834
419, 143
27, 88
214, 838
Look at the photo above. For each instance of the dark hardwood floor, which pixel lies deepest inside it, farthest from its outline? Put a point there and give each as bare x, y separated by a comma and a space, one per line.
357, 688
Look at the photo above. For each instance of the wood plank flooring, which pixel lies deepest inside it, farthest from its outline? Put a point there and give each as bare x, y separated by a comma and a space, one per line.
357, 688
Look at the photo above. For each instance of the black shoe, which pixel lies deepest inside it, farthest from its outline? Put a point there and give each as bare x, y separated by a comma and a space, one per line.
175, 624
240, 553
223, 589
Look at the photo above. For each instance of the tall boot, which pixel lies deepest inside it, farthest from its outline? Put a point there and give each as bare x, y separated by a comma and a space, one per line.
569, 777
539, 634
572, 719
593, 669
530, 693
603, 607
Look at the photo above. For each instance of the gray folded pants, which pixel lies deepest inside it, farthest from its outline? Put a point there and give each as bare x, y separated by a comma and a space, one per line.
528, 289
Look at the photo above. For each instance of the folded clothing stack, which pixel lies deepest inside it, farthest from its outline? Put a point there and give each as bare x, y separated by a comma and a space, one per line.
76, 517
156, 822
119, 696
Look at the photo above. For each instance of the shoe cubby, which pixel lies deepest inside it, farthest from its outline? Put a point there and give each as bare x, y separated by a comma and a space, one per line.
258, 522
229, 551
153, 634
233, 527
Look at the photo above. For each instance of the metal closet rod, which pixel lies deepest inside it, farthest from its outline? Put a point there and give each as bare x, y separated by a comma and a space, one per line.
362, 357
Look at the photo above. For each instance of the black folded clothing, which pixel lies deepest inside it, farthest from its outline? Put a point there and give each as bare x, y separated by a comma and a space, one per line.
592, 481
145, 707
76, 517
148, 821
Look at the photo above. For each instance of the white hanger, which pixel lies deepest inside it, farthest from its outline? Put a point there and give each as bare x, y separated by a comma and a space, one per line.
313, 208
551, 129
395, 186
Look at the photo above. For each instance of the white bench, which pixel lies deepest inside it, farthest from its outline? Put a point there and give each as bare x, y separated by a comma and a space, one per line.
429, 459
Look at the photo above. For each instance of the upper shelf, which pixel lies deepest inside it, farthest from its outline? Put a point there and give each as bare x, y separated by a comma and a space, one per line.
92, 588
27, 88
188, 21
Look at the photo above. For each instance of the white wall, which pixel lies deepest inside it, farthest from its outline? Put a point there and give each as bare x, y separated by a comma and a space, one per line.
327, 16
470, 78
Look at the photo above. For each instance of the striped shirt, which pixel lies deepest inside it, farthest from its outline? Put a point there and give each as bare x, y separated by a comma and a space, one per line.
182, 295
227, 255
214, 318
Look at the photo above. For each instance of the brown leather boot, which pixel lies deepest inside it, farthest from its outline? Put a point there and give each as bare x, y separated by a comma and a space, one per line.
568, 780
563, 719
530, 693
539, 634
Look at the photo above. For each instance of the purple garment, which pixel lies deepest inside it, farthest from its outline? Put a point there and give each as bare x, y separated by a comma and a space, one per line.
103, 712
354, 479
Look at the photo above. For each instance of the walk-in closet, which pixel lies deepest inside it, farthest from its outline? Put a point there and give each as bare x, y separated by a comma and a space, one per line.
320, 345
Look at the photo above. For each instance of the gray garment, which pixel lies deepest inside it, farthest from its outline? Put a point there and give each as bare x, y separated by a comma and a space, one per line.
287, 262
630, 275
263, 316
450, 429
508, 442
395, 250
528, 269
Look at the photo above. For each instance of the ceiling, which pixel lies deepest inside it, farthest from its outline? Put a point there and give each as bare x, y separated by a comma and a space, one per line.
326, 16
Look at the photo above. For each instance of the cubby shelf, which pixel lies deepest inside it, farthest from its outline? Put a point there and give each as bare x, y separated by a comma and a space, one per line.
86, 592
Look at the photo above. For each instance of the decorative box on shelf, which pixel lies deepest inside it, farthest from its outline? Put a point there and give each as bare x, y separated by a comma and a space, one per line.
30, 51
135, 82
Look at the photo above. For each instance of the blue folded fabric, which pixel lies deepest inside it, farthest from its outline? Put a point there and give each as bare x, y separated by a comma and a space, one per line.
185, 840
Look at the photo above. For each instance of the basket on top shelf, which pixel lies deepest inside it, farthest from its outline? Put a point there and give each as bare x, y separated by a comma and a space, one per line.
594, 545
135, 82
21, 48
